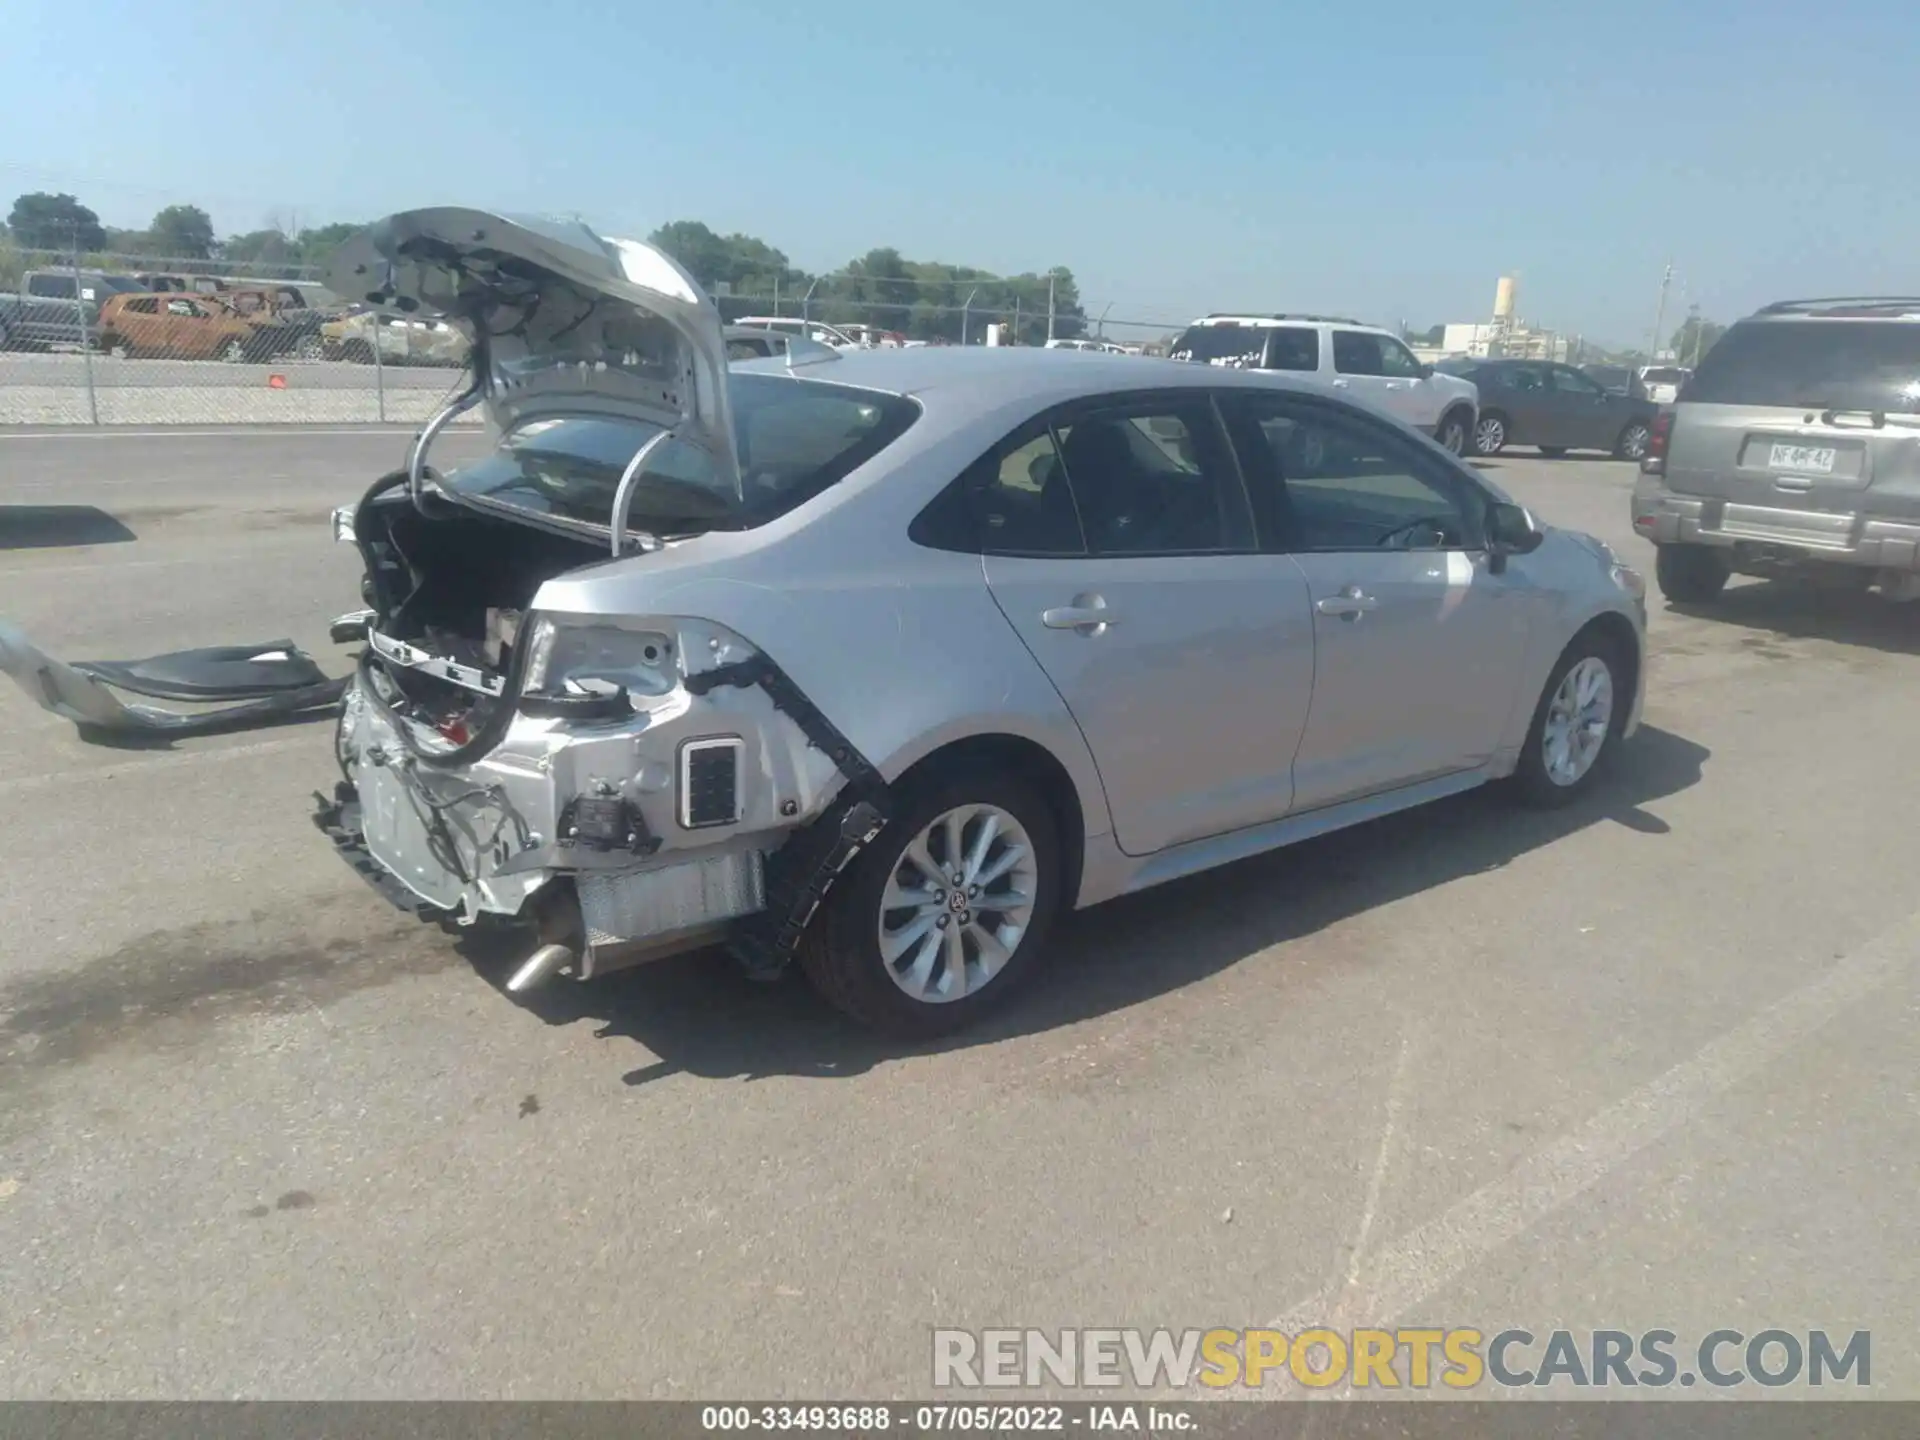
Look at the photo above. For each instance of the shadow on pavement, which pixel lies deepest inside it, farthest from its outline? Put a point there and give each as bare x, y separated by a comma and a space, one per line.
1797, 610
701, 1017
47, 527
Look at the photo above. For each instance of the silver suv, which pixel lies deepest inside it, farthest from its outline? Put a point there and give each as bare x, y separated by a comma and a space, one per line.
1794, 448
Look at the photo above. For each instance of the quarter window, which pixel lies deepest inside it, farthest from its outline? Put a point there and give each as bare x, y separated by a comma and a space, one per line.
1020, 503
1154, 481
1328, 478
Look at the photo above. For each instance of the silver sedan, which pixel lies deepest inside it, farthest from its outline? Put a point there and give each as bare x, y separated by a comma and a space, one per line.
878, 662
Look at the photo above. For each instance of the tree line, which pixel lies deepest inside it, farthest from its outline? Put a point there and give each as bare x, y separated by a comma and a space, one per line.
924, 300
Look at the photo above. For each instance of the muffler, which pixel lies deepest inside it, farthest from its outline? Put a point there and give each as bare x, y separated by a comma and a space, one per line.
542, 966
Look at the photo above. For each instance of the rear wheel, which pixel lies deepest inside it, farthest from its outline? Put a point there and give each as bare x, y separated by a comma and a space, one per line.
1632, 444
1490, 434
1690, 574
1553, 452
939, 920
1575, 725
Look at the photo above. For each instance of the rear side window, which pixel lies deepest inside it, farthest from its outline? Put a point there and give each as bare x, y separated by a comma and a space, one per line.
1813, 364
1155, 480
144, 305
1294, 349
51, 287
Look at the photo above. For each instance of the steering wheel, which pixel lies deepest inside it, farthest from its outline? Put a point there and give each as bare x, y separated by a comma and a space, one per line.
1401, 536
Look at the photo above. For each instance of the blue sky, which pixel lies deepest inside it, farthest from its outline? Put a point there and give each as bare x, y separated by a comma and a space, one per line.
1389, 159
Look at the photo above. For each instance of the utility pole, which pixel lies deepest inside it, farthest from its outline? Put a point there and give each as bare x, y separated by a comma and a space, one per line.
1693, 348
1660, 313
1050, 279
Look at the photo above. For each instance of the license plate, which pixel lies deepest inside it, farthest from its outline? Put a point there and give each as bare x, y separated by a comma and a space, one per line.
1815, 458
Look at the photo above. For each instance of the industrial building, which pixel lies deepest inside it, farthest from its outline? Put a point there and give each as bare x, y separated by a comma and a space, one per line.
1505, 337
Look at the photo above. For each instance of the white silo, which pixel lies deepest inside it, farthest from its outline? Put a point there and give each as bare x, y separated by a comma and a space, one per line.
1503, 300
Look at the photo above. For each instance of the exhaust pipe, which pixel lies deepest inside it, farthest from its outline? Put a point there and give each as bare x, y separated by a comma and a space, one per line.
540, 967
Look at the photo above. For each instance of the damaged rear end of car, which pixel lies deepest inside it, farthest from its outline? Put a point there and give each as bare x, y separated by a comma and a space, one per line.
539, 734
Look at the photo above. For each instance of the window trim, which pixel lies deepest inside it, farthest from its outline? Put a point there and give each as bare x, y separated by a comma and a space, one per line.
1429, 464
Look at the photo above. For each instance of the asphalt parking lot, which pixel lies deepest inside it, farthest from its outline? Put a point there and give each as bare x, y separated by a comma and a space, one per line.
1644, 1063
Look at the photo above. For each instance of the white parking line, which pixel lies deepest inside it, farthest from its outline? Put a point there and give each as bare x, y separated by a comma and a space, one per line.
130, 769
371, 432
1401, 1275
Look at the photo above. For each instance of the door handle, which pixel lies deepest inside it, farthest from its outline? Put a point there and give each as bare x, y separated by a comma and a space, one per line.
1088, 614
1341, 385
1350, 604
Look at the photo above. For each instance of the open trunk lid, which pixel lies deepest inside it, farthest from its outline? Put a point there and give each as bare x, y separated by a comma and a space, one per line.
561, 320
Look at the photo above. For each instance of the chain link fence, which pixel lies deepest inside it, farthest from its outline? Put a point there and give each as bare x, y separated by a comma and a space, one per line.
106, 339
136, 340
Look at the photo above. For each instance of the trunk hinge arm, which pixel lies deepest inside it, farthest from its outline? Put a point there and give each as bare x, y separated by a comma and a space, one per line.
417, 461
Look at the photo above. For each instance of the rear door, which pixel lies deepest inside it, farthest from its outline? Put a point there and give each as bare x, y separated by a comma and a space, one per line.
187, 329
1121, 549
1418, 645
1803, 414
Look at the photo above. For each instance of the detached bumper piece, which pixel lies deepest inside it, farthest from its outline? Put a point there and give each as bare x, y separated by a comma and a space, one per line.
270, 681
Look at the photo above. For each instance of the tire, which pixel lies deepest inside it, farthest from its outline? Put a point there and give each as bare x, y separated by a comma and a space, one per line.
310, 349
841, 953
1690, 574
1632, 444
111, 344
1553, 452
357, 352
1455, 427
234, 352
1490, 433
1556, 767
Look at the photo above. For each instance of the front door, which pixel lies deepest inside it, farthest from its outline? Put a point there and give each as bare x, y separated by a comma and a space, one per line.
1417, 645
1591, 419
1120, 548
1381, 371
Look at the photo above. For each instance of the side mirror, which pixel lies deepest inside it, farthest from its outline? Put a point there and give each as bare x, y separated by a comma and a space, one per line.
1511, 530
1426, 371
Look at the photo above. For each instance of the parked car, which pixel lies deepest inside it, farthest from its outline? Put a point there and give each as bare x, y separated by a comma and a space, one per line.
744, 342
284, 305
882, 664
398, 340
1555, 408
1097, 347
190, 327
1795, 450
57, 307
1662, 383
815, 330
1363, 361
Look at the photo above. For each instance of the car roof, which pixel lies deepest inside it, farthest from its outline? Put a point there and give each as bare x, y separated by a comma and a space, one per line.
994, 374
1273, 321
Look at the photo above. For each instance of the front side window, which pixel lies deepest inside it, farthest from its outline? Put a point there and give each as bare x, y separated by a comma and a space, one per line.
1328, 478
1574, 383
1154, 480
185, 308
1357, 353
1397, 360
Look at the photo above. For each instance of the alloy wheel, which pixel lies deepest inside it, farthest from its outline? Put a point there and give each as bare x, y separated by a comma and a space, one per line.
1633, 444
1490, 434
1579, 717
958, 904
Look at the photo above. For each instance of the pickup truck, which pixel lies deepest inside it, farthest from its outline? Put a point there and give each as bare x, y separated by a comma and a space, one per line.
58, 307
